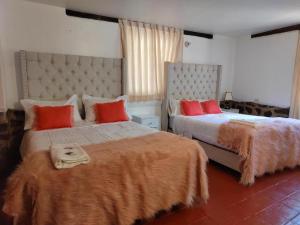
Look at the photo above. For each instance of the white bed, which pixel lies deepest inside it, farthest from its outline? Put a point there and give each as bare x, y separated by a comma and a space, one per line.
204, 128
47, 76
198, 81
83, 133
276, 145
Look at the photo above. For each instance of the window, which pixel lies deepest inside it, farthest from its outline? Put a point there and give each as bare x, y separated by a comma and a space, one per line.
146, 47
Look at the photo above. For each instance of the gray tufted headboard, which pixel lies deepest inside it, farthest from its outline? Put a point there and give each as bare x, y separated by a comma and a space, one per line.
58, 76
191, 81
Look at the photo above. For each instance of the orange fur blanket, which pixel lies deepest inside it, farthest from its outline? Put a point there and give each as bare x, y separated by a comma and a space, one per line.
126, 180
265, 146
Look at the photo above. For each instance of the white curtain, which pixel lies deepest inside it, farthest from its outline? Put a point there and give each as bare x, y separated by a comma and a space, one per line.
295, 103
146, 47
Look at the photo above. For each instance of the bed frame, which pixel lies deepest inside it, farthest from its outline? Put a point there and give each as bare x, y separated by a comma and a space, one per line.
198, 81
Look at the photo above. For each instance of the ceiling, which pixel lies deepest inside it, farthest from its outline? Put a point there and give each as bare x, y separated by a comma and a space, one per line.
229, 17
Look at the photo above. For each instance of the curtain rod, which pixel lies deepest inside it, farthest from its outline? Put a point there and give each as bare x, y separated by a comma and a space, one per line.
277, 31
74, 13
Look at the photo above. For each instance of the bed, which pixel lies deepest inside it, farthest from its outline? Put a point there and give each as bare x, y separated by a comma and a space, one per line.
131, 174
196, 81
251, 145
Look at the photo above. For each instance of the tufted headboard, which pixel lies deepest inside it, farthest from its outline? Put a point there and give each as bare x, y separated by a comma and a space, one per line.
191, 81
58, 76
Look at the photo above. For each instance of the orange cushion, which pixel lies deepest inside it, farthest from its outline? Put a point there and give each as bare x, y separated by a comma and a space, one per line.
110, 112
191, 108
50, 117
211, 107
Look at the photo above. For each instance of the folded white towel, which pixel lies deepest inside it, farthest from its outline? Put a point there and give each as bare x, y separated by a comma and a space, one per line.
68, 155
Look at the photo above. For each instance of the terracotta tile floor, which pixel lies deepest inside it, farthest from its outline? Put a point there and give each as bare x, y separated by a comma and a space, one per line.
273, 199
4, 220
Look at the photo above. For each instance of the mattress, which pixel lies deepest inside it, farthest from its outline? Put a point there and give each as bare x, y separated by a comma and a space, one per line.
83, 133
205, 127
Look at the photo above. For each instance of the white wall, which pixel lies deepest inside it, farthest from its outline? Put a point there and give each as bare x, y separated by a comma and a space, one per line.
264, 69
37, 27
254, 69
220, 50
199, 50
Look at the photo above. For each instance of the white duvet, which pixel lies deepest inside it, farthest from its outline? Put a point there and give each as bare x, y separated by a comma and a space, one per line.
205, 127
83, 133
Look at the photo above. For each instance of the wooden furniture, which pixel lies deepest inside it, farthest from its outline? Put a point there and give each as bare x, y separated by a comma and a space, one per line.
151, 121
253, 108
4, 137
11, 134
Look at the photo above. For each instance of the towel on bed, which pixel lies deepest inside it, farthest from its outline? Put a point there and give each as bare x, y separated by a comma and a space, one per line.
68, 155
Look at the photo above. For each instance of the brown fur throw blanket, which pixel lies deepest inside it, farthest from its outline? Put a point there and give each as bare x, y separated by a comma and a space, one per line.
126, 180
265, 145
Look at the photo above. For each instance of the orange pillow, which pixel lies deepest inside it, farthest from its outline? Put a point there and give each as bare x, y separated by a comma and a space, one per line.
50, 117
211, 107
191, 108
110, 112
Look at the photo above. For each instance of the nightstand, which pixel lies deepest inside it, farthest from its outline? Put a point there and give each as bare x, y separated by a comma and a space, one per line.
232, 110
11, 134
151, 121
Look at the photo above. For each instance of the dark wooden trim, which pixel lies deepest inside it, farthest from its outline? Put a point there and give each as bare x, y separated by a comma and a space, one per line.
277, 31
197, 34
91, 16
74, 13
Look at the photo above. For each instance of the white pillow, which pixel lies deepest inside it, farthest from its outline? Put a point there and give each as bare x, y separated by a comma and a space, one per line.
28, 105
174, 107
90, 101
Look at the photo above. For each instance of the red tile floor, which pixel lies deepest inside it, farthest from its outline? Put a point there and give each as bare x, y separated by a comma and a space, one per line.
273, 199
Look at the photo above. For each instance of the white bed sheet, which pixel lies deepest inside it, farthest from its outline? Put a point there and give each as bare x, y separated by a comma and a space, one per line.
83, 133
205, 127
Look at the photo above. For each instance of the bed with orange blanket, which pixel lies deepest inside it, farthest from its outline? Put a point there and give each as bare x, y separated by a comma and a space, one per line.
265, 144
252, 145
126, 179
